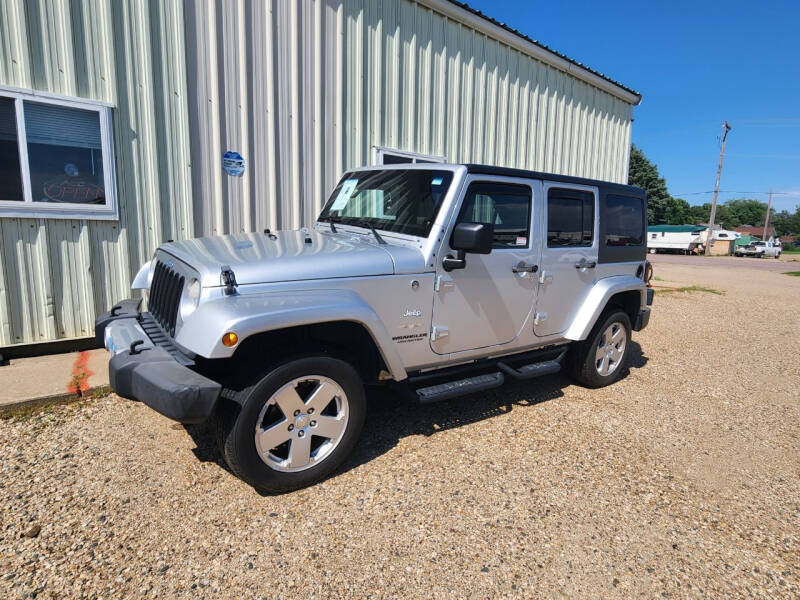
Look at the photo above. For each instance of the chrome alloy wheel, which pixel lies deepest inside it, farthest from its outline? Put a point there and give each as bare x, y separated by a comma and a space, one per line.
301, 423
611, 349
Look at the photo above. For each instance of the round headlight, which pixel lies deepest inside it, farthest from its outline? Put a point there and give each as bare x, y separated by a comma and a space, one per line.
191, 298
193, 290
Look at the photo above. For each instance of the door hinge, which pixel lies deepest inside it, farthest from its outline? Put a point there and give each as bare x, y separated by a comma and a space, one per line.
443, 282
539, 318
439, 331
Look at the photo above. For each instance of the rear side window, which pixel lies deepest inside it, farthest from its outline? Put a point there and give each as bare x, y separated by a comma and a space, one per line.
507, 207
624, 221
570, 218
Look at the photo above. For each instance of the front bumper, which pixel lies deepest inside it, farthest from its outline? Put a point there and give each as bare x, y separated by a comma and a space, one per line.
152, 373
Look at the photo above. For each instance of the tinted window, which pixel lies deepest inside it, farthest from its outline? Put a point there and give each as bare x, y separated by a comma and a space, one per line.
624, 221
570, 218
507, 207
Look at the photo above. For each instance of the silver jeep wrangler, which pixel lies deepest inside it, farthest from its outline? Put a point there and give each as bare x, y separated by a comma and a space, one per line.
437, 279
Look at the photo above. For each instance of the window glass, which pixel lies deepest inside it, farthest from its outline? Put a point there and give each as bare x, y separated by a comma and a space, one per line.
66, 161
10, 177
394, 159
402, 200
570, 218
624, 221
507, 207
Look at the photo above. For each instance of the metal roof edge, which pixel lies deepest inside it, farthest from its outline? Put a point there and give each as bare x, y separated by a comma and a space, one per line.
460, 11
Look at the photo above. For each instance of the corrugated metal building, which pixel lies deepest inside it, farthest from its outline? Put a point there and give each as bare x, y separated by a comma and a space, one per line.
120, 112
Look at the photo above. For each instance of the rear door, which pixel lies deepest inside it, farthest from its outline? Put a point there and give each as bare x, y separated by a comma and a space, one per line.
569, 255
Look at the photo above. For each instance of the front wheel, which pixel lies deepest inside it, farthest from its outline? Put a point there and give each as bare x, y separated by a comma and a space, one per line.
295, 426
601, 358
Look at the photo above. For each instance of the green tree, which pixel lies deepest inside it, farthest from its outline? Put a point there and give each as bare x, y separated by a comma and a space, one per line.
744, 211
678, 211
787, 223
699, 214
644, 174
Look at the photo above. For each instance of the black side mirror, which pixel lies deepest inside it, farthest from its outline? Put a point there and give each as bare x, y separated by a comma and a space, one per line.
476, 238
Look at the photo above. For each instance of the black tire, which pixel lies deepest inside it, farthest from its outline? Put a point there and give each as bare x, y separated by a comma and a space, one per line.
583, 354
238, 414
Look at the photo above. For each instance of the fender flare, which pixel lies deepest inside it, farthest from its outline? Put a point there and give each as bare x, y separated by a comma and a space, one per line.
248, 315
143, 277
597, 299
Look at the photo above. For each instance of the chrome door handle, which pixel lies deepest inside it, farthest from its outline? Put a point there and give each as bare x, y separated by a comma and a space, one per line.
521, 267
585, 264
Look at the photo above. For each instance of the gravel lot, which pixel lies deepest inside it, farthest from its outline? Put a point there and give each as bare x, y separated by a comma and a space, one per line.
682, 480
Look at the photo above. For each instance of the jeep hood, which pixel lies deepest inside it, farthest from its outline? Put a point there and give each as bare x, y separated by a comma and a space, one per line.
258, 258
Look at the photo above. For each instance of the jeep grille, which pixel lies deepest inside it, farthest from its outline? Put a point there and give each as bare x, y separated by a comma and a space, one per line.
165, 296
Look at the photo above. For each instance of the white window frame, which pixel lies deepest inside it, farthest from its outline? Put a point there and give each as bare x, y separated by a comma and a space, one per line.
30, 209
378, 152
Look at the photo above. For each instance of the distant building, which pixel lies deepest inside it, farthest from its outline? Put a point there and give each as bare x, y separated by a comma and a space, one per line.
756, 231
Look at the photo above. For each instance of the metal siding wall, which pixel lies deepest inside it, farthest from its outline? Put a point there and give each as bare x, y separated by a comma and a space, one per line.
56, 275
304, 89
417, 80
264, 83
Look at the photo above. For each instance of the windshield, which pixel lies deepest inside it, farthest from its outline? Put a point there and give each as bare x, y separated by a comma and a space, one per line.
400, 200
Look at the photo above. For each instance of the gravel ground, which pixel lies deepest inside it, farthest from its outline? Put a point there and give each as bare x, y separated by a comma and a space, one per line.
786, 262
682, 480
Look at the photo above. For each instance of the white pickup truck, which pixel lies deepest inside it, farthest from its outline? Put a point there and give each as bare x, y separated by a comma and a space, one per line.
759, 250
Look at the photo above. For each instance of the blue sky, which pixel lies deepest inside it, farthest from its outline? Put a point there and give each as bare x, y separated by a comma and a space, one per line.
695, 64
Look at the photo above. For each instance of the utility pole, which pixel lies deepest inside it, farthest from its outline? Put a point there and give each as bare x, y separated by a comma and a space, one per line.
725, 129
766, 222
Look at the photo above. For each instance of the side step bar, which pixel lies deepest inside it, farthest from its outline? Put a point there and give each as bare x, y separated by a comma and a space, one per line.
451, 389
486, 381
539, 369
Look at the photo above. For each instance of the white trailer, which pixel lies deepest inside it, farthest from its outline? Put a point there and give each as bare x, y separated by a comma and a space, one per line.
684, 239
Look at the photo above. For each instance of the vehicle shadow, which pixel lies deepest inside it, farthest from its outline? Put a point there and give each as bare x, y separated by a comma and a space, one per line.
391, 417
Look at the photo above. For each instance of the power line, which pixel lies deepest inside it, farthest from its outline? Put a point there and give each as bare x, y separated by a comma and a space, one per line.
738, 192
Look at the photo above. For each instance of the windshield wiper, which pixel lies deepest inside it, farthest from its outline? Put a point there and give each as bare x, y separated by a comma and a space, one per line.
371, 227
357, 222
331, 220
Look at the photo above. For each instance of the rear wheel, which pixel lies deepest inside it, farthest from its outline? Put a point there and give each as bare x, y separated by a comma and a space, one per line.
295, 426
601, 359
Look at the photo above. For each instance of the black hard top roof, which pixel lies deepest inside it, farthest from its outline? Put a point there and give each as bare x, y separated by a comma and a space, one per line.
510, 172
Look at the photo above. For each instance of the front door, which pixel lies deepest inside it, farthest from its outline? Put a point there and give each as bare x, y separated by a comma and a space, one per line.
569, 255
487, 302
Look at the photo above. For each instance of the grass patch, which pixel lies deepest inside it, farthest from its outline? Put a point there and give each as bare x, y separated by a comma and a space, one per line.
792, 273
689, 289
657, 278
790, 250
